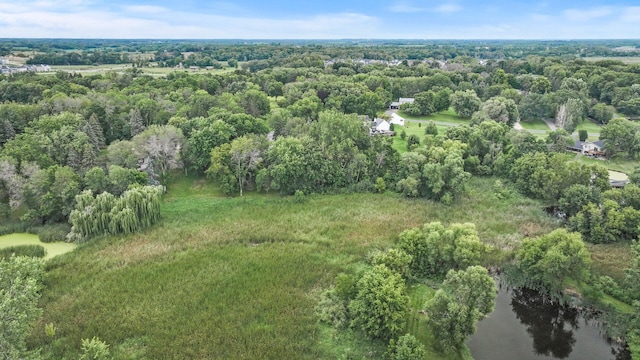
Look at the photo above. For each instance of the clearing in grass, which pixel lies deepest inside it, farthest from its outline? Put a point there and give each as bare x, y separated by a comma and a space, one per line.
236, 277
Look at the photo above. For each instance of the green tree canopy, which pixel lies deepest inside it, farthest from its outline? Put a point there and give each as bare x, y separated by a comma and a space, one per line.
548, 261
381, 305
435, 248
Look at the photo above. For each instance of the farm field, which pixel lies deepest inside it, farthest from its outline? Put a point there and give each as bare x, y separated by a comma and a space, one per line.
623, 59
152, 70
238, 277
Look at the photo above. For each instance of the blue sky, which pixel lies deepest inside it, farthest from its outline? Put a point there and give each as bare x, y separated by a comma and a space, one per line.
317, 19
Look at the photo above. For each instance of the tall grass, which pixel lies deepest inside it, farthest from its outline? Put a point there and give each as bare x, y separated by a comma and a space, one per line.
235, 277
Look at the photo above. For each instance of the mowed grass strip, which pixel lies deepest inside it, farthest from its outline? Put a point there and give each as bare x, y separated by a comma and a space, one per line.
536, 124
235, 278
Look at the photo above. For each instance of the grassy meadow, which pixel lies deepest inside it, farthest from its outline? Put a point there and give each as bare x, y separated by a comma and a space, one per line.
448, 116
239, 277
536, 124
119, 68
411, 128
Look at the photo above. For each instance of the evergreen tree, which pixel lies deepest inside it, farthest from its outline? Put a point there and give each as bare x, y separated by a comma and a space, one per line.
135, 122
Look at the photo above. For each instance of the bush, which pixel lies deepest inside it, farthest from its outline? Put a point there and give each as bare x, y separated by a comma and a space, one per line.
364, 186
406, 348
299, 197
583, 135
95, 349
36, 251
13, 228
380, 185
53, 232
332, 309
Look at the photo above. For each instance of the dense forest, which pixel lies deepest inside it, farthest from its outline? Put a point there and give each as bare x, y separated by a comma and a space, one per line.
88, 158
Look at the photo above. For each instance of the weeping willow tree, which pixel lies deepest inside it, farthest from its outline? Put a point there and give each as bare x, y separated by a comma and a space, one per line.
104, 214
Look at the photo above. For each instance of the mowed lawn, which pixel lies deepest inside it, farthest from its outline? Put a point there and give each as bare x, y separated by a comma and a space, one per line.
591, 126
536, 124
238, 278
411, 127
448, 116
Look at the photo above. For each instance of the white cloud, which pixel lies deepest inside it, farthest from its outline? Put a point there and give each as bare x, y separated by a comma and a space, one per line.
158, 24
145, 9
631, 14
589, 14
405, 8
447, 8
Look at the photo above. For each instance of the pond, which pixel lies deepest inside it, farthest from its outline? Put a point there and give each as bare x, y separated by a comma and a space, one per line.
527, 326
52, 249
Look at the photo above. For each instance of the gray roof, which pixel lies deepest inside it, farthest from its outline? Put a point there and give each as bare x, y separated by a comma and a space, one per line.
579, 144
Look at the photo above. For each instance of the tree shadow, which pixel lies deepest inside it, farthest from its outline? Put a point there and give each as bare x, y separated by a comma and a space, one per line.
549, 323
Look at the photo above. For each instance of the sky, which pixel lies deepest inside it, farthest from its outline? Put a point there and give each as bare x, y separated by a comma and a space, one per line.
321, 19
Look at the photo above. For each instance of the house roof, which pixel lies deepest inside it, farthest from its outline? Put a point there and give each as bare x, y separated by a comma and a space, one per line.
378, 121
406, 100
579, 145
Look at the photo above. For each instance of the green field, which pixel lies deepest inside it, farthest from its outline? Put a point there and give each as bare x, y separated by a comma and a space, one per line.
411, 128
624, 59
448, 116
151, 70
617, 164
52, 249
591, 127
535, 125
237, 278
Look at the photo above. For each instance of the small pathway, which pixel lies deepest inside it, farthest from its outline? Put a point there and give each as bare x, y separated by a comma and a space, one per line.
550, 124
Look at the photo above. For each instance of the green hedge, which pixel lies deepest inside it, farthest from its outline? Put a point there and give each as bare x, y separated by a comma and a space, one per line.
53, 232
23, 250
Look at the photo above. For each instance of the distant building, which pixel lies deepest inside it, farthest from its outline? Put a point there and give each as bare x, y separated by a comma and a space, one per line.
396, 105
381, 125
396, 119
595, 149
4, 61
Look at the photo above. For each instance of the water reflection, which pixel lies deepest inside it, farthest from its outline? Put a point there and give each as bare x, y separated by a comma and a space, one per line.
527, 326
549, 324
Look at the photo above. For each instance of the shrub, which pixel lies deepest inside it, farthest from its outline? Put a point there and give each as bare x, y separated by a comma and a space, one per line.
13, 228
53, 232
95, 349
406, 348
583, 135
299, 197
380, 186
36, 251
332, 309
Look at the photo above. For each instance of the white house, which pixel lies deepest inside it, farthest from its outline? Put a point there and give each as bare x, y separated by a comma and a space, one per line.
595, 148
381, 125
396, 105
396, 119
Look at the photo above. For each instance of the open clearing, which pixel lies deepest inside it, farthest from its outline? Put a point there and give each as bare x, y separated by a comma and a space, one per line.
52, 249
234, 278
624, 59
150, 70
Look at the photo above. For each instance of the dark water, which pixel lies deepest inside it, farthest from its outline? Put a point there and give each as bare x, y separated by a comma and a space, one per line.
526, 326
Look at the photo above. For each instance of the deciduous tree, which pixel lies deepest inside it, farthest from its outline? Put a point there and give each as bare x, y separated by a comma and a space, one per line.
381, 304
